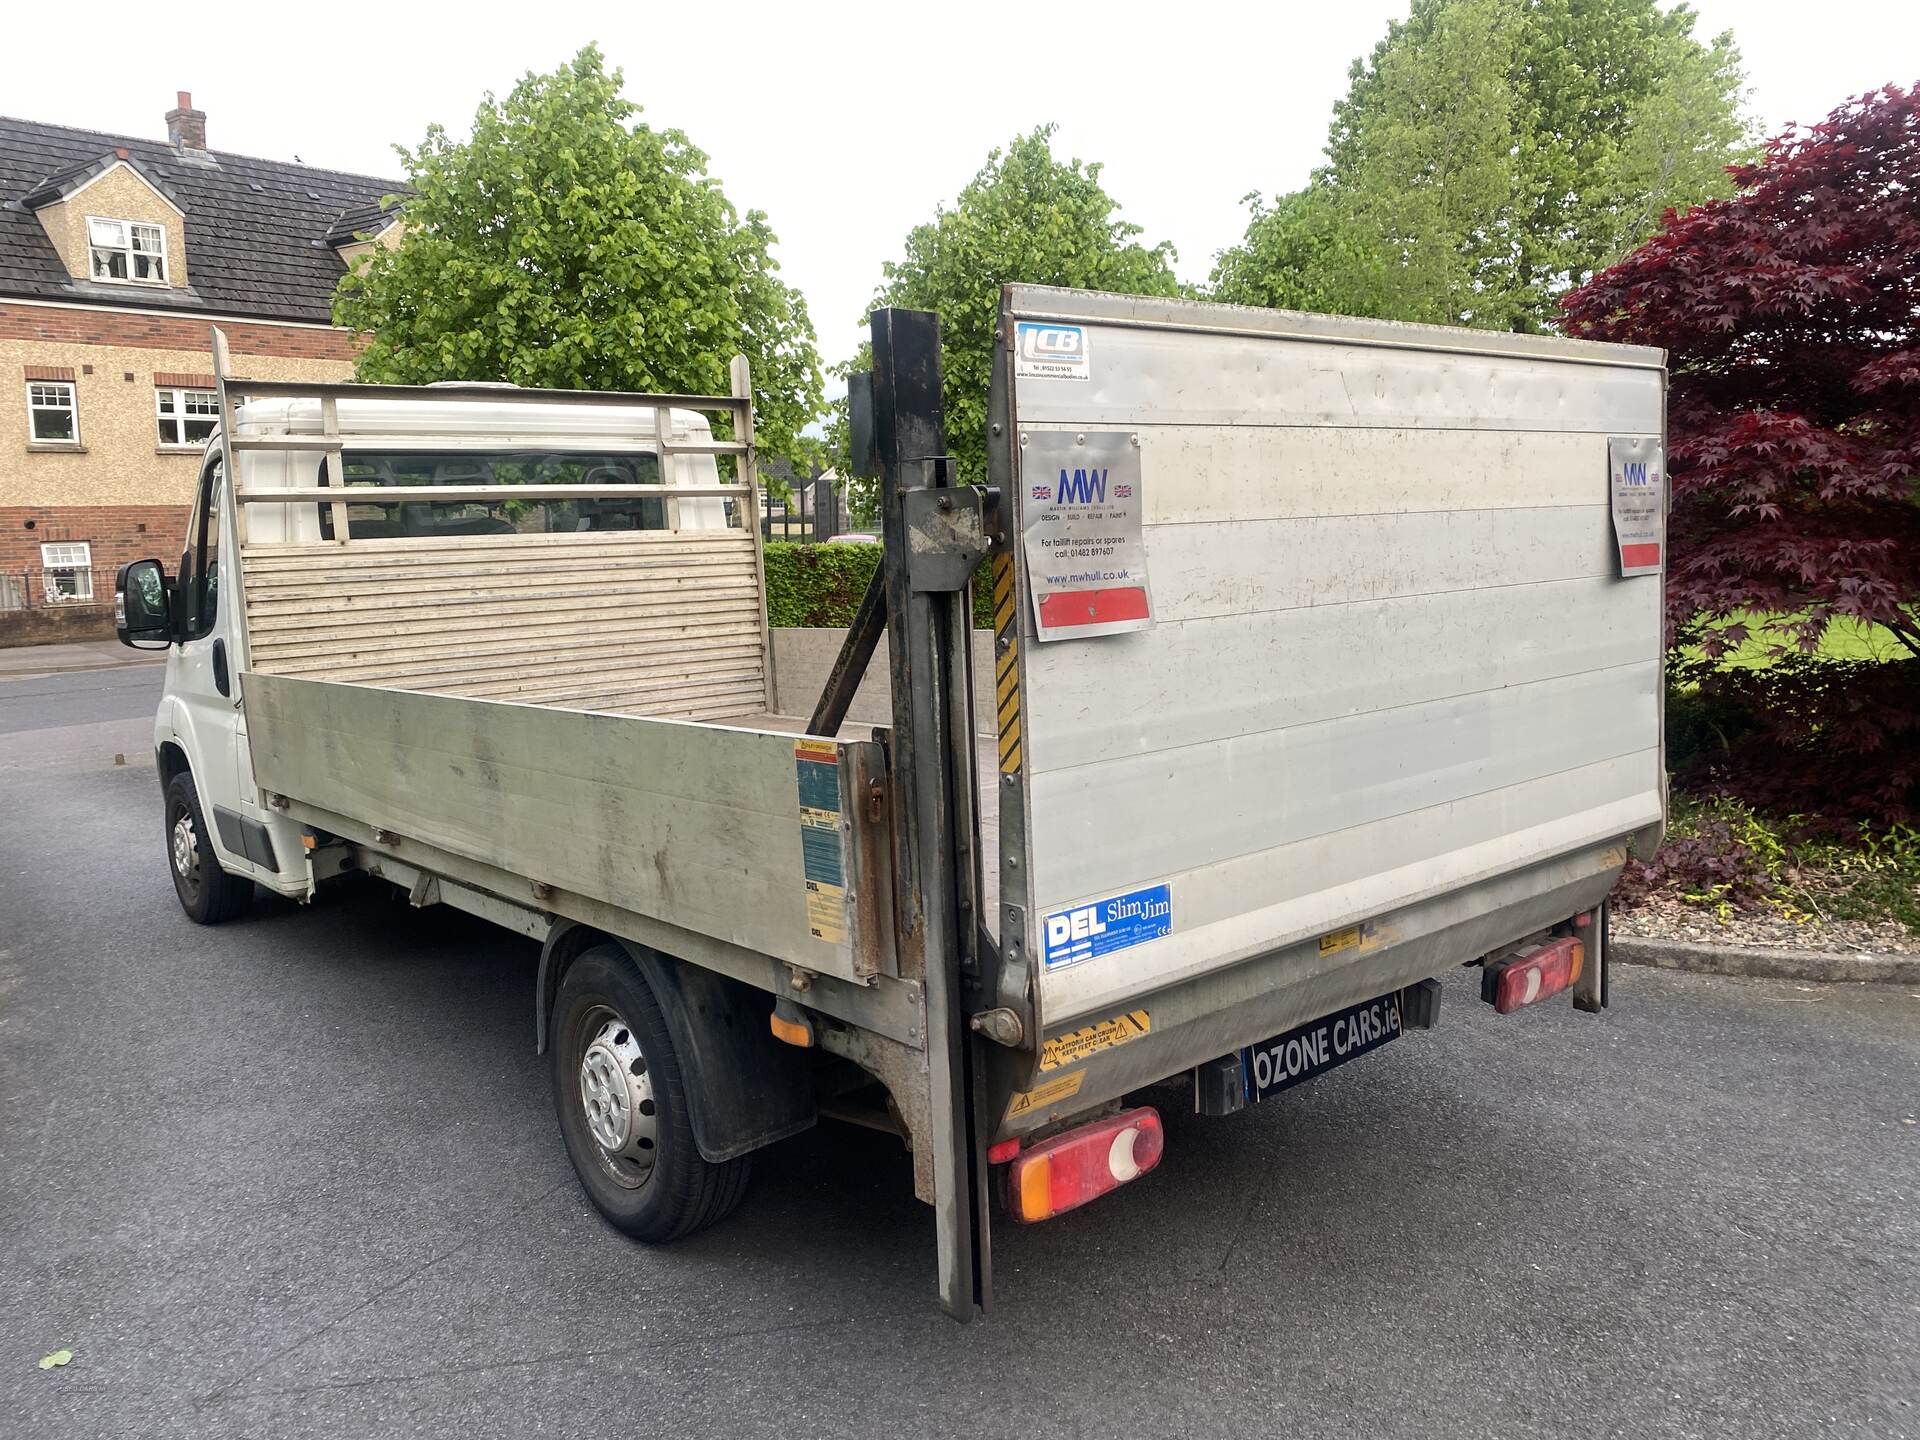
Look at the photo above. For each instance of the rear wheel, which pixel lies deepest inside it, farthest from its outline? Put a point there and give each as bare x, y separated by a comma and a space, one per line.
207, 893
620, 1093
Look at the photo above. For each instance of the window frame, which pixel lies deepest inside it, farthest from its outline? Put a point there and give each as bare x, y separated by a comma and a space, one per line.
181, 415
72, 408
48, 568
128, 250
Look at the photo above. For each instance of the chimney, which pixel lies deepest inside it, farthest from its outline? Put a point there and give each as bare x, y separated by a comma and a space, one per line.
186, 126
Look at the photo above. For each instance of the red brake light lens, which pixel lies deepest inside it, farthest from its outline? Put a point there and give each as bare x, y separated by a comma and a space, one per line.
1534, 976
1067, 1171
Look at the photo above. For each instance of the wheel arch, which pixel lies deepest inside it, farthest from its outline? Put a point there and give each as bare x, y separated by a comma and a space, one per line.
170, 759
745, 1089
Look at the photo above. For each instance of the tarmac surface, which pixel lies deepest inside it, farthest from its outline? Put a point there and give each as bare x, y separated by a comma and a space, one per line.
299, 1175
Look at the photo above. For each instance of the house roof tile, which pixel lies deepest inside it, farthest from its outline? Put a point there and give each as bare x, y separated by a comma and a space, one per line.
258, 231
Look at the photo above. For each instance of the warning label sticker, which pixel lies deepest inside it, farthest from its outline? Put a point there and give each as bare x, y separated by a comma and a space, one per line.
823, 859
1340, 940
1048, 1092
1080, 526
1078, 1045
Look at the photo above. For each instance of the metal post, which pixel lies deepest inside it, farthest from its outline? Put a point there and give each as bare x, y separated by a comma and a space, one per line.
233, 578
932, 781
747, 472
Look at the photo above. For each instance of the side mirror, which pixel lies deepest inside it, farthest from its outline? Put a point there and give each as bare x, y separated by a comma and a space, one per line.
142, 616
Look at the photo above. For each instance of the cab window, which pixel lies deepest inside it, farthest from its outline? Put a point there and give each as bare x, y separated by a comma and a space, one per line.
505, 516
200, 565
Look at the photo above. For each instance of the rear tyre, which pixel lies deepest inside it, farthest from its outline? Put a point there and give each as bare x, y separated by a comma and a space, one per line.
207, 893
621, 1095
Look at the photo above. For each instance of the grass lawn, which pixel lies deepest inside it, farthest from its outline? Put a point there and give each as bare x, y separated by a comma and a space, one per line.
1845, 640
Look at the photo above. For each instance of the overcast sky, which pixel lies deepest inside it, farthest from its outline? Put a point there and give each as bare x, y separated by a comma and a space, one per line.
846, 123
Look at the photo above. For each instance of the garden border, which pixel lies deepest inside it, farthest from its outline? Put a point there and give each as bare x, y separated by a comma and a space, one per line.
1766, 962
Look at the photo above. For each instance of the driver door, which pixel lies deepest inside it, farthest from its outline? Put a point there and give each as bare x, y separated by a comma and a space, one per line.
202, 678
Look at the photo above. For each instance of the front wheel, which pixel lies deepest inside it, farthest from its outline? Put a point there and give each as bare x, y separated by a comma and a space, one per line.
207, 893
621, 1095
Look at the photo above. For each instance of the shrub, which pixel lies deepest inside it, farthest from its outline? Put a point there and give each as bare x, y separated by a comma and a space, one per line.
1836, 740
822, 584
1713, 856
1722, 855
1789, 312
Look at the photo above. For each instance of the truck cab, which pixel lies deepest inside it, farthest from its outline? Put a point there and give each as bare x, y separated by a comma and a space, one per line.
222, 837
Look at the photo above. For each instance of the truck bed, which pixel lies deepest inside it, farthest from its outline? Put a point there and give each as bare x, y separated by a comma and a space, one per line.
692, 828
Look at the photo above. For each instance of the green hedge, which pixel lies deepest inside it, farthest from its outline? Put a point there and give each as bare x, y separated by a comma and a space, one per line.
822, 584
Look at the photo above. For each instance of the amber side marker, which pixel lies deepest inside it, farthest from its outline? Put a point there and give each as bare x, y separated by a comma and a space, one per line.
794, 1028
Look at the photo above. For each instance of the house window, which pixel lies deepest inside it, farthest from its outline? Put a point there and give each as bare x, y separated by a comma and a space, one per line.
52, 416
68, 570
127, 250
186, 416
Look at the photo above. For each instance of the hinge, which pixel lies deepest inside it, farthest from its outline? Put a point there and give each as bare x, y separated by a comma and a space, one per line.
946, 537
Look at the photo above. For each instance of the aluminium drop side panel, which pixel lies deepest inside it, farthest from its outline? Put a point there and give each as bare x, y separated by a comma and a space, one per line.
1390, 671
744, 836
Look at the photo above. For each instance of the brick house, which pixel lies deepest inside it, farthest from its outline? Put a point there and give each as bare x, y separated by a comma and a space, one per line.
116, 256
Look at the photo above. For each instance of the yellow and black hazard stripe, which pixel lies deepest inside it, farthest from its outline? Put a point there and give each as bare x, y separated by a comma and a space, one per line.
1006, 674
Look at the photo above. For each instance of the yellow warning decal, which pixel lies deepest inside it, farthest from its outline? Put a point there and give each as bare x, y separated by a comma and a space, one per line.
1050, 1092
1340, 940
1006, 670
1089, 1040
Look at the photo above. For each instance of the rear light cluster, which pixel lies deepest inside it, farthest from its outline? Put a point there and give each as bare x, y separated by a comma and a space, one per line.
1532, 975
1067, 1171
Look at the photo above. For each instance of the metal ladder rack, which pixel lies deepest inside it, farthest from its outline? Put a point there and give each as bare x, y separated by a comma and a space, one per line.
330, 441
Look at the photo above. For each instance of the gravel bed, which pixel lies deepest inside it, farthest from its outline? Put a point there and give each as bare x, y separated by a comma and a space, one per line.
1658, 919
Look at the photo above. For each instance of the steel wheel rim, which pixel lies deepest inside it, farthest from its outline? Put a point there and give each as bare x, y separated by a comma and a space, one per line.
186, 850
616, 1099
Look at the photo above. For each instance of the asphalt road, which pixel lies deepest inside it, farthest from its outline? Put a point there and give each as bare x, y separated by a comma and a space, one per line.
299, 1176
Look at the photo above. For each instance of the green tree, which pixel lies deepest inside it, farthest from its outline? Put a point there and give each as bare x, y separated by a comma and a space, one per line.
565, 246
1025, 217
1491, 154
1423, 159
1304, 251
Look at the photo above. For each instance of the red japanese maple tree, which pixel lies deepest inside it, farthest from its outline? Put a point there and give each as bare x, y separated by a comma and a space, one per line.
1791, 312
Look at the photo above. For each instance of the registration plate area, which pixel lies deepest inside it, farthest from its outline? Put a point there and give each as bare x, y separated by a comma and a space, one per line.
1319, 1045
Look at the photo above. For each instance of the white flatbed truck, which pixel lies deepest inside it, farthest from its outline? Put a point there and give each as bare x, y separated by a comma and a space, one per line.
1327, 659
